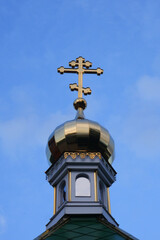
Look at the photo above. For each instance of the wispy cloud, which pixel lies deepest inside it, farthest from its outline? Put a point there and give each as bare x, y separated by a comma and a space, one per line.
23, 133
2, 224
148, 88
26, 128
138, 128
83, 3
141, 133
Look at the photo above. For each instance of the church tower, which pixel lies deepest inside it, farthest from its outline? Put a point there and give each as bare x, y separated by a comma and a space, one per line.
80, 153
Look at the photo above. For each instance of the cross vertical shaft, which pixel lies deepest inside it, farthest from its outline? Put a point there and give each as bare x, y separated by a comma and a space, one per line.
80, 66
80, 78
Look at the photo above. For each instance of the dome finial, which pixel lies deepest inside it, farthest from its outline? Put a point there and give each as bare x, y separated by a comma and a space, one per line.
80, 66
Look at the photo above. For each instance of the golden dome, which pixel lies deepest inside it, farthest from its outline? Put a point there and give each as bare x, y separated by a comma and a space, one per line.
80, 135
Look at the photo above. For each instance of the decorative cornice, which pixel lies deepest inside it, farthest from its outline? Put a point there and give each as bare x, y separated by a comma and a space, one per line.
82, 155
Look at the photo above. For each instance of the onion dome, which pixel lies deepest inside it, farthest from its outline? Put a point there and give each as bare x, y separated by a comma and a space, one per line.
80, 134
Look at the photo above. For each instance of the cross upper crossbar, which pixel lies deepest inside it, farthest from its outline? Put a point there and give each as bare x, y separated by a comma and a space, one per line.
80, 66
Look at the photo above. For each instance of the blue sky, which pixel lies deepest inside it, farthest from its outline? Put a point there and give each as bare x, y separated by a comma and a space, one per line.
37, 37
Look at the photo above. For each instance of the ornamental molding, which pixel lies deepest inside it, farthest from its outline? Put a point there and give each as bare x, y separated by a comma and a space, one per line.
82, 155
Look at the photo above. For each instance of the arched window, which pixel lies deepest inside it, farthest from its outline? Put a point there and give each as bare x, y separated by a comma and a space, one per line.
82, 186
101, 192
62, 192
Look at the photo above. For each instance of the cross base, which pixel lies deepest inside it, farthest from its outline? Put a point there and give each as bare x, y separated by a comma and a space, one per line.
80, 103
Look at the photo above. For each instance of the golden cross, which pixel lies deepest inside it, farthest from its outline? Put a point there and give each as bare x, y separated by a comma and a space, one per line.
80, 70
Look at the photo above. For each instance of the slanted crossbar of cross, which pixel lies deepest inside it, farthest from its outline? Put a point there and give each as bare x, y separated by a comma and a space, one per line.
80, 67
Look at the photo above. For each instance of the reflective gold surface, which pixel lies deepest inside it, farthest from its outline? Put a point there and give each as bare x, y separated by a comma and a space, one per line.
82, 155
80, 66
95, 186
54, 205
80, 135
108, 201
69, 186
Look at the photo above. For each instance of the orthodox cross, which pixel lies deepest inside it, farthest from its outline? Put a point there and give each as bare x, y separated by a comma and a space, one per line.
78, 67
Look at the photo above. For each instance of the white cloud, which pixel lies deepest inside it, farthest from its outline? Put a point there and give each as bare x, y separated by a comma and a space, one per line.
148, 88
141, 133
25, 128
83, 4
2, 223
138, 127
23, 133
